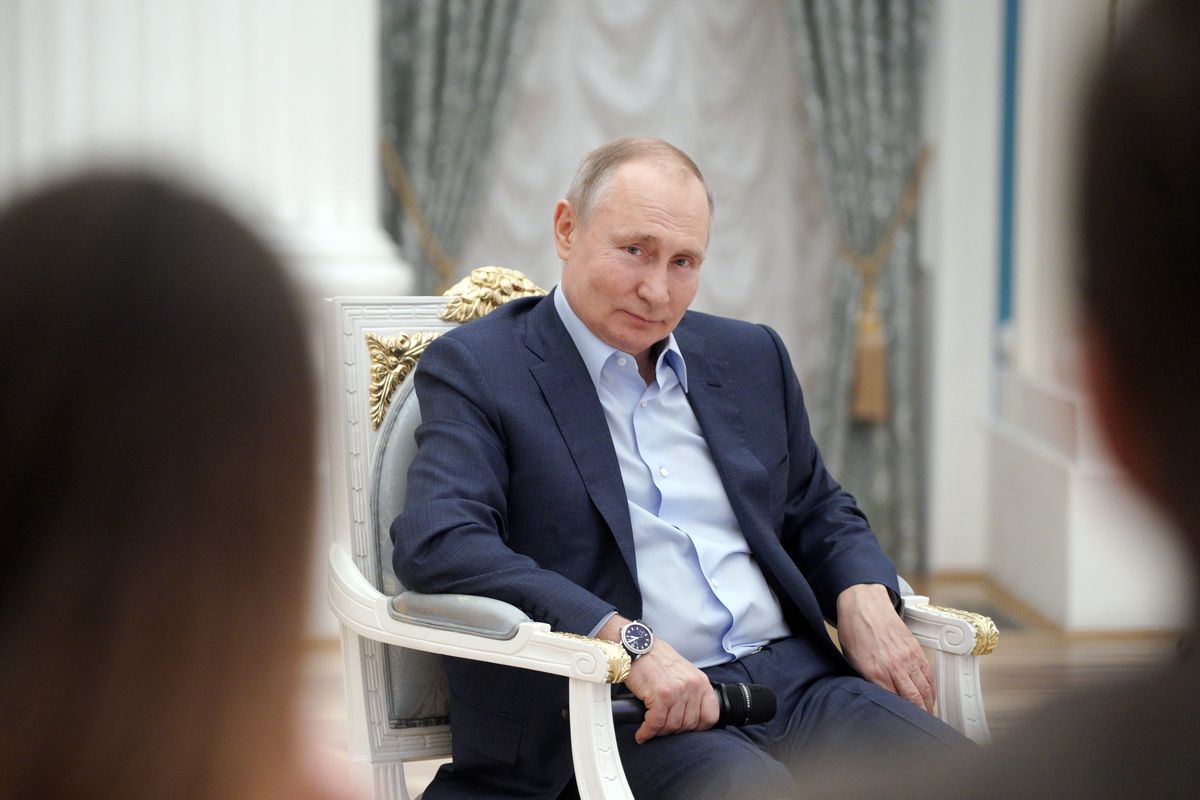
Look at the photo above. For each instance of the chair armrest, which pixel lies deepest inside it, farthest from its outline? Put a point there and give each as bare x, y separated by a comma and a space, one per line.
485, 629
479, 616
957, 638
949, 630
467, 627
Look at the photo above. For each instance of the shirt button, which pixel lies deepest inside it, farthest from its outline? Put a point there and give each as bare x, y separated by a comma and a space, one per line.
622, 362
663, 471
643, 404
714, 584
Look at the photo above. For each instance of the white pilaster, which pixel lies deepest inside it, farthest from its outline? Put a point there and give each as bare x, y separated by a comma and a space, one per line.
958, 241
1067, 533
272, 104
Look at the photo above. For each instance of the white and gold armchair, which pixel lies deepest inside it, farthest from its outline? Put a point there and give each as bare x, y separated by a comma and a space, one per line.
392, 639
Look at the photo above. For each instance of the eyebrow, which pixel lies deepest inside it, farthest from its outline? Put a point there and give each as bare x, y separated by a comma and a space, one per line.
651, 239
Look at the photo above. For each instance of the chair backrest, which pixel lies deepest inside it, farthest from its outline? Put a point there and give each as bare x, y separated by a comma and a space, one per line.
372, 347
372, 413
416, 682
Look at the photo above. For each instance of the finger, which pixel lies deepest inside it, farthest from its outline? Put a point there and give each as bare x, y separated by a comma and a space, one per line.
921, 674
883, 677
909, 691
710, 711
927, 671
925, 686
674, 721
651, 725
690, 715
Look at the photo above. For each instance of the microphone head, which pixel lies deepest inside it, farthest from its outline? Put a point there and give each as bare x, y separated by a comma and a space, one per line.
749, 703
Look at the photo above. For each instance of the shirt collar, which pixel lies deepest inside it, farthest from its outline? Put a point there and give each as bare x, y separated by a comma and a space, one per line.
596, 353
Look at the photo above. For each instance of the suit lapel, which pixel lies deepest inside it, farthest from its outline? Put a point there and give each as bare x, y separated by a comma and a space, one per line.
714, 399
717, 411
572, 399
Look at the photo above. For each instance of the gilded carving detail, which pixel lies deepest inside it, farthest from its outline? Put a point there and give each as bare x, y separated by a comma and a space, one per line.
392, 358
619, 662
986, 634
484, 290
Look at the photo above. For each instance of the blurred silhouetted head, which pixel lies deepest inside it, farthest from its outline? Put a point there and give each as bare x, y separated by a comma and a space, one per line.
155, 495
1141, 278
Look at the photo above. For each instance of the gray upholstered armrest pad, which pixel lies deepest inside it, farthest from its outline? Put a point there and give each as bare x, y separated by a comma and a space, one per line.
481, 616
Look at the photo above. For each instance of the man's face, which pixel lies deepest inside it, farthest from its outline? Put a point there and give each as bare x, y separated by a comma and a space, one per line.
632, 269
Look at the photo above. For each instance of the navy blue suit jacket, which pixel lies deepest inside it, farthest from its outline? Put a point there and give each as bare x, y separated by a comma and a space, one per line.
516, 494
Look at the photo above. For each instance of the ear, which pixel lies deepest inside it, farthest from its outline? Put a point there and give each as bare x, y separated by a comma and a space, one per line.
1120, 421
565, 227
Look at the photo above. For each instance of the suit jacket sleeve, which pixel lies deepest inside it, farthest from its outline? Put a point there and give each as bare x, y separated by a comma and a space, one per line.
824, 531
452, 535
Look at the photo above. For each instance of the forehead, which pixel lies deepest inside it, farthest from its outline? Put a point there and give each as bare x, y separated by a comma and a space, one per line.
659, 194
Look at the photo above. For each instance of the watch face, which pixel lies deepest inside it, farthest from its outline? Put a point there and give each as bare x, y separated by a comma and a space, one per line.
637, 637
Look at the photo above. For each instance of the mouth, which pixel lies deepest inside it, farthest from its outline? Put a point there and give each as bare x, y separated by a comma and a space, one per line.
638, 319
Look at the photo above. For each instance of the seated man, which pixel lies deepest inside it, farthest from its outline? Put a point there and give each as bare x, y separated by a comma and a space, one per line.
603, 456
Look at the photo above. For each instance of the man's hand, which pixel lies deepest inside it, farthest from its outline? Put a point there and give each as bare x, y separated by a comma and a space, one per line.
876, 641
678, 696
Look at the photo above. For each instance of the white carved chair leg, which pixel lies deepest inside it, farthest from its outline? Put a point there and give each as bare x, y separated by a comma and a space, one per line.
959, 698
598, 771
368, 766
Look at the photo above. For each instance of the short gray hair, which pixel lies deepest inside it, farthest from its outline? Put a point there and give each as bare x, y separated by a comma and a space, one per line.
599, 165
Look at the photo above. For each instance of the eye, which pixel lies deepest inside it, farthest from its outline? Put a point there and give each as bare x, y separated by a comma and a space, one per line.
633, 250
682, 262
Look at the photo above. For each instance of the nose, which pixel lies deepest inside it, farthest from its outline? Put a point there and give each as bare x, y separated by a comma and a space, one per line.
653, 287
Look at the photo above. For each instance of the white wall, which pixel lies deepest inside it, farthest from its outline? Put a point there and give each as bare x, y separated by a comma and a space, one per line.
1020, 486
1067, 532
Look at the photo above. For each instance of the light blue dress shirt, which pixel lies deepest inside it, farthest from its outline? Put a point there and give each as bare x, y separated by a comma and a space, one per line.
701, 590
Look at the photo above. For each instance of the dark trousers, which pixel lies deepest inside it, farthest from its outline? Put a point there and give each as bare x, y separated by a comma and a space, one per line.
823, 719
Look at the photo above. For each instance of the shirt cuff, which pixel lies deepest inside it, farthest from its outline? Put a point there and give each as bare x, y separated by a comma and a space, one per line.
601, 623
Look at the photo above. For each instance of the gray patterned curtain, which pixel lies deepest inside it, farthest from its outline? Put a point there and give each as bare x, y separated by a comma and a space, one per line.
447, 76
862, 65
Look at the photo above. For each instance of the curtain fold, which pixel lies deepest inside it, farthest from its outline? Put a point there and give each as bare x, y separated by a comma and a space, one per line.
448, 71
861, 63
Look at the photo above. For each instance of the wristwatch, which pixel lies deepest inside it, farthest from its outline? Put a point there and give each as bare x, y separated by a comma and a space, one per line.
636, 638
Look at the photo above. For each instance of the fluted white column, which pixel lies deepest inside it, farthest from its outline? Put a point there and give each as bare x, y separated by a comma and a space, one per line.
273, 103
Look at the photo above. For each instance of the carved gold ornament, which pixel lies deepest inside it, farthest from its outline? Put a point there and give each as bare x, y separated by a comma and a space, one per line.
619, 662
392, 358
486, 289
986, 635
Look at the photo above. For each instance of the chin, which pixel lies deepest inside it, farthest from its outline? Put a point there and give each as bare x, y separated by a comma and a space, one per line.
635, 346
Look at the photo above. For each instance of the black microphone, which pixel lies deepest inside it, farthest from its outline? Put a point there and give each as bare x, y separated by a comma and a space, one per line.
740, 703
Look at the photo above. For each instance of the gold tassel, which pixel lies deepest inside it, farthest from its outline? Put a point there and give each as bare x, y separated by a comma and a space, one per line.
870, 397
869, 400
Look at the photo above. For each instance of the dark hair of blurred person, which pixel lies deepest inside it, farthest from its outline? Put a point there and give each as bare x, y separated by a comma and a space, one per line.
156, 443
1140, 204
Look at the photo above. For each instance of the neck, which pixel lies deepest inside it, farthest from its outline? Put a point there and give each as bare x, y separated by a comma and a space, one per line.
647, 359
